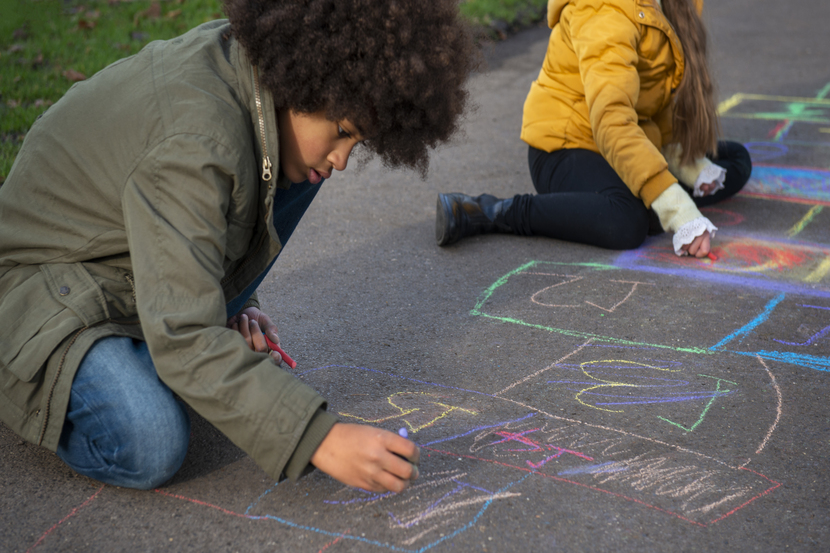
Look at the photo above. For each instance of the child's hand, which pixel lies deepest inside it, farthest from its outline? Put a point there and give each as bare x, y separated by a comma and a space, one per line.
365, 457
708, 188
700, 246
251, 323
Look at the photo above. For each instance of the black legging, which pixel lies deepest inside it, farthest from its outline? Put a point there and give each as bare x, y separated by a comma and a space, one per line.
582, 199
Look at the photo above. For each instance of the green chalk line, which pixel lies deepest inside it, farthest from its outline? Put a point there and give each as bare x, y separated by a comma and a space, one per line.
705, 409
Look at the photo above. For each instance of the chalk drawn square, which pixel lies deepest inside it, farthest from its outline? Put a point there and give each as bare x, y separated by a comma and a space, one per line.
610, 304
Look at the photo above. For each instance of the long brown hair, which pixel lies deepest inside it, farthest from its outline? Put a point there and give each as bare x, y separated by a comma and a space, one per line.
695, 118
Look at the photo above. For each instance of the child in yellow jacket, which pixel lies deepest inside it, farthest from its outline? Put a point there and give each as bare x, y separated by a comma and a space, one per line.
622, 113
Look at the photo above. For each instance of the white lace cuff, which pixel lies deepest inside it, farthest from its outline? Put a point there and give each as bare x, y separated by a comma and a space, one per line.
686, 234
711, 172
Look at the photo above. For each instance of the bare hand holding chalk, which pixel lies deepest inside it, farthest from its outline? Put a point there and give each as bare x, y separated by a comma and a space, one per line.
368, 458
285, 357
700, 246
254, 326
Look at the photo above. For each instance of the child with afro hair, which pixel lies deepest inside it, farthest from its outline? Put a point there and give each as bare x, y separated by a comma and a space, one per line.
147, 205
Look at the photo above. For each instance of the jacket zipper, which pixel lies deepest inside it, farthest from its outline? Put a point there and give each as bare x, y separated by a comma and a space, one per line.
266, 160
266, 168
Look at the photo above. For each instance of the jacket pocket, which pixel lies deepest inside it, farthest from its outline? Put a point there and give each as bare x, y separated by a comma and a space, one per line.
45, 309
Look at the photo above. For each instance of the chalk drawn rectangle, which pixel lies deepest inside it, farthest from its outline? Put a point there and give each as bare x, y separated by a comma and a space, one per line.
609, 303
691, 486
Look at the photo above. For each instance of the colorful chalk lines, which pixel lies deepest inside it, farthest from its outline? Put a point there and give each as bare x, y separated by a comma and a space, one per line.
789, 141
625, 411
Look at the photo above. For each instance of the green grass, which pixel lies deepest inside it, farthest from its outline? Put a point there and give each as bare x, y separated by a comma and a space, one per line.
484, 12
43, 41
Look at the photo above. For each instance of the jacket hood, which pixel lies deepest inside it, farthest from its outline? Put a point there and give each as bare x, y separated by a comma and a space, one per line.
555, 8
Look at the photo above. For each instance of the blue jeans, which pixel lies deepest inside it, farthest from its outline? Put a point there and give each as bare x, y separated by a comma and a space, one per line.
123, 425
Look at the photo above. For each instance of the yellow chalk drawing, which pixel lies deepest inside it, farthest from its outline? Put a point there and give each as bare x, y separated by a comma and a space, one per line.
611, 383
403, 412
799, 226
820, 272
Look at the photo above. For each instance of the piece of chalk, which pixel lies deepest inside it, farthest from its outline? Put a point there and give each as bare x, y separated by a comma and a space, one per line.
403, 433
712, 256
285, 357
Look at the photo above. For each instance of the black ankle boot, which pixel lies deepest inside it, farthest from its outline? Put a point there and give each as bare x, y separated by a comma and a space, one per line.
459, 215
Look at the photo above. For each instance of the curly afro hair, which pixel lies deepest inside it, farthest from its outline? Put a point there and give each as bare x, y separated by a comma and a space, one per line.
395, 68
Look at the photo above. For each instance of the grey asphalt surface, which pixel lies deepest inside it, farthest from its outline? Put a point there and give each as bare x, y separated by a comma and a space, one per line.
565, 397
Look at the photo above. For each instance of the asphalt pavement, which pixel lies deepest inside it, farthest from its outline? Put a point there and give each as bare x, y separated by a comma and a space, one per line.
565, 397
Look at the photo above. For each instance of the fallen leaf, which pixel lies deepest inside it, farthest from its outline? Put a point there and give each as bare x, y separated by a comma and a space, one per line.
12, 103
20, 34
172, 14
15, 48
86, 24
74, 76
40, 102
93, 14
153, 12
38, 60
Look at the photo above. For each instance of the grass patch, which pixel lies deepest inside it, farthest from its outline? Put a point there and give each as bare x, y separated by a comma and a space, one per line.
510, 12
47, 45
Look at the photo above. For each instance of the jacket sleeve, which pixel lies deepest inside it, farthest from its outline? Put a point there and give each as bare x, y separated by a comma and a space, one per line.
605, 42
174, 205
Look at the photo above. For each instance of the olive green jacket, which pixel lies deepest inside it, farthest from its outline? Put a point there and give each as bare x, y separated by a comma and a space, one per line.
137, 207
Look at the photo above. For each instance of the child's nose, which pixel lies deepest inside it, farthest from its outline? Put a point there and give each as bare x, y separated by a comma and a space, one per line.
339, 157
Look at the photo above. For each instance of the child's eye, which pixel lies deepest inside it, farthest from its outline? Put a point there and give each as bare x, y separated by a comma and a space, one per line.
343, 133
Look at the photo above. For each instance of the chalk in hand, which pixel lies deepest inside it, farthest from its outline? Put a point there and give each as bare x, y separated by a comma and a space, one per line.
712, 256
403, 433
285, 357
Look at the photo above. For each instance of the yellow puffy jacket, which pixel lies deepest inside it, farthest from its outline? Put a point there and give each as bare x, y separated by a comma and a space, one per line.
606, 85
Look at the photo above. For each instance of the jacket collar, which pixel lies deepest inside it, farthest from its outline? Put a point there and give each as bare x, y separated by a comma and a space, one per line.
649, 13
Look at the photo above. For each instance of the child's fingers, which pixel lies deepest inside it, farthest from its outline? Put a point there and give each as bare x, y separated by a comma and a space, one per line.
275, 355
268, 327
403, 447
245, 330
388, 481
702, 245
400, 467
257, 342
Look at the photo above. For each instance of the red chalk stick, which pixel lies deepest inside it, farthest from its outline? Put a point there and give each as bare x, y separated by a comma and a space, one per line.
712, 256
285, 356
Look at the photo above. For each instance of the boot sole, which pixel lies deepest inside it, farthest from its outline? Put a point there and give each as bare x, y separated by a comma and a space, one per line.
443, 216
